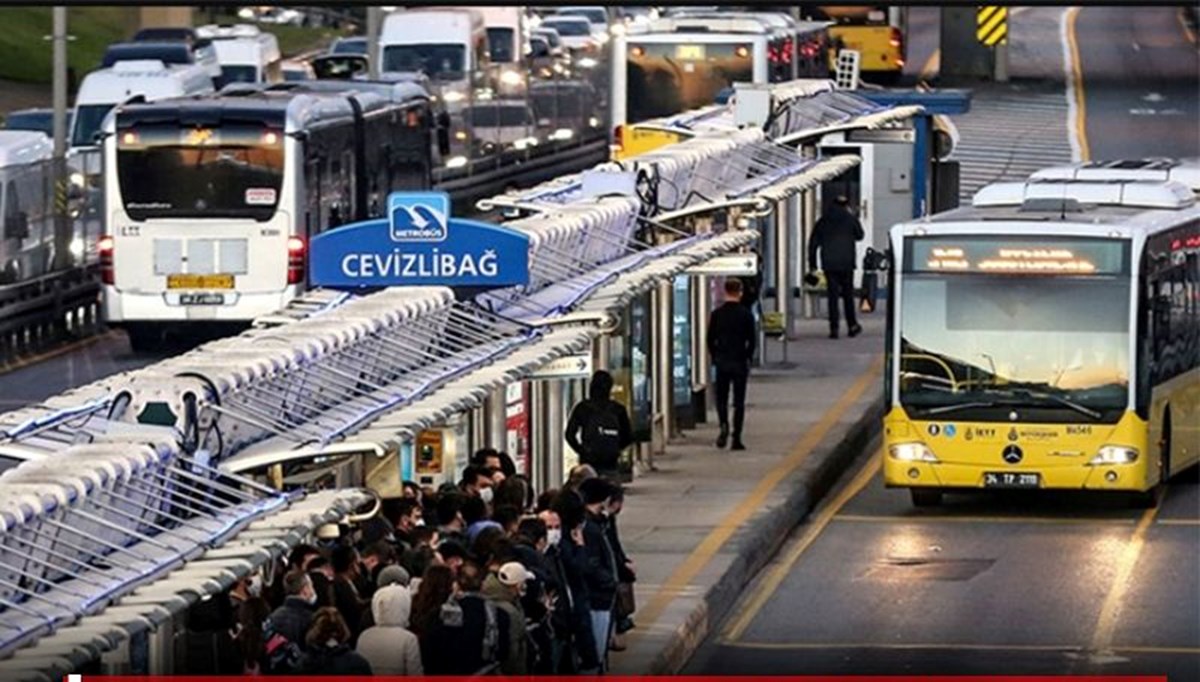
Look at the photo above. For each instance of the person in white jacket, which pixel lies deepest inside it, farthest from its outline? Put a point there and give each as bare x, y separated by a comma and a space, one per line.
389, 646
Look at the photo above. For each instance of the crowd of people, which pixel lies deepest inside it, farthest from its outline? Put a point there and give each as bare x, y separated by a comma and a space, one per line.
480, 577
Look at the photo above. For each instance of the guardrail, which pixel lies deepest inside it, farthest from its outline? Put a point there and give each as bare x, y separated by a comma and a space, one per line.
47, 311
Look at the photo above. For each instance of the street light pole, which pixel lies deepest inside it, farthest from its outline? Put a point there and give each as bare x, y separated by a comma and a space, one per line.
374, 19
62, 223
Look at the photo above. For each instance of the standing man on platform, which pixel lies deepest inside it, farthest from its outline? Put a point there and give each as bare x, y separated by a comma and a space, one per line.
834, 236
731, 340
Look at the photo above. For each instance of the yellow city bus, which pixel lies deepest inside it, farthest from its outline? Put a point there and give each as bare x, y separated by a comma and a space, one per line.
877, 32
1046, 337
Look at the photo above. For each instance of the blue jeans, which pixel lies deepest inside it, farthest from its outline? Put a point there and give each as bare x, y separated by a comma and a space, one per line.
601, 628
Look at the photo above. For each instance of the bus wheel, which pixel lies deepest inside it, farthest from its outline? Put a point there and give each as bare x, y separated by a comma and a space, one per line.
922, 497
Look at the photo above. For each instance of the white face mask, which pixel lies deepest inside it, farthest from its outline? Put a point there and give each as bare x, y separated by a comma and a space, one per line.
486, 495
254, 588
553, 537
419, 523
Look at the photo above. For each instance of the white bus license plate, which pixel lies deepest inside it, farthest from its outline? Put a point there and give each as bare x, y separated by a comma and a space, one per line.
204, 298
1011, 479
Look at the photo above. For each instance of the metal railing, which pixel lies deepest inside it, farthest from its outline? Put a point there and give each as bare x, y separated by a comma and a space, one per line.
44, 312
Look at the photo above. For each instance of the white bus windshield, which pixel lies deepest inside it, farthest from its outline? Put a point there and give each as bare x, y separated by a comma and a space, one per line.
167, 172
442, 62
986, 344
500, 44
667, 79
88, 119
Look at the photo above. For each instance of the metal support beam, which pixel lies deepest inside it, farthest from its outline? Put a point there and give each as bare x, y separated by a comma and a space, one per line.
497, 418
555, 426
661, 368
780, 226
701, 308
62, 221
808, 209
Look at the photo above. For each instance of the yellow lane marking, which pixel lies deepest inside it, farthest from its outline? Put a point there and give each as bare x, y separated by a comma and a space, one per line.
814, 529
1187, 30
683, 574
61, 350
864, 518
1110, 611
921, 646
1080, 122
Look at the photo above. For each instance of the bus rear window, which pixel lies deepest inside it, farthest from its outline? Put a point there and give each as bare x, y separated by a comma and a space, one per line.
232, 171
666, 79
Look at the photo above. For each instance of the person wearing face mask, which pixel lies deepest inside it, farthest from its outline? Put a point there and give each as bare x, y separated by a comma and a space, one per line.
409, 516
601, 574
531, 548
285, 629
477, 482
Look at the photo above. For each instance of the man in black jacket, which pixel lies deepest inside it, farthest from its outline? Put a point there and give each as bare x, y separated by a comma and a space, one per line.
731, 340
834, 236
598, 429
601, 563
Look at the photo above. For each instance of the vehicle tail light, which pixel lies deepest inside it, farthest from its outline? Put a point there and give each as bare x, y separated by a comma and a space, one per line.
897, 38
619, 137
105, 249
297, 260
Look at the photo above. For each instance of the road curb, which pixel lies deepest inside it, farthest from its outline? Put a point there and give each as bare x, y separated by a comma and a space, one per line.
763, 535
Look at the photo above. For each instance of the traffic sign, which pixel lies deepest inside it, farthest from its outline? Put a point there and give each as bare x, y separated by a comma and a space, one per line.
419, 244
567, 367
735, 265
991, 25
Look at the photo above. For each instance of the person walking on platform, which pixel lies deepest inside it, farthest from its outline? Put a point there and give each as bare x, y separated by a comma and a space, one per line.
731, 341
599, 429
834, 236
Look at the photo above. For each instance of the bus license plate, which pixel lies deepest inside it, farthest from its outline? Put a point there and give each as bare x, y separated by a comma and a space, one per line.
1011, 479
202, 299
182, 281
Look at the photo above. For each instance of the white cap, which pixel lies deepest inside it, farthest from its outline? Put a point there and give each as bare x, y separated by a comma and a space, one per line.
513, 573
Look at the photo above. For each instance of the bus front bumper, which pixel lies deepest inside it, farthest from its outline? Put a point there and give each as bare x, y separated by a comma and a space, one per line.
1080, 476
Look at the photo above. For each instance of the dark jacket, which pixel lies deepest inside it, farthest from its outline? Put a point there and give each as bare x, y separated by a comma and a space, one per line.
579, 437
349, 604
601, 573
624, 575
336, 661
834, 236
292, 619
731, 337
573, 609
457, 647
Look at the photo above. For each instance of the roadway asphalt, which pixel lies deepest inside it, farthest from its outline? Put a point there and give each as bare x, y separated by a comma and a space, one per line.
1141, 73
1042, 584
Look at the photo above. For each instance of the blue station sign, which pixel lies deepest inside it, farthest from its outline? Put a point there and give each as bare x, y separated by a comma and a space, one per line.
419, 244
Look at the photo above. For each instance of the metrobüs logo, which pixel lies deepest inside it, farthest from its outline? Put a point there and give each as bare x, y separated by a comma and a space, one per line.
418, 216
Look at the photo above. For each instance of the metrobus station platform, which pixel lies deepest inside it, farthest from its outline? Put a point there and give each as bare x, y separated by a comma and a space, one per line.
706, 520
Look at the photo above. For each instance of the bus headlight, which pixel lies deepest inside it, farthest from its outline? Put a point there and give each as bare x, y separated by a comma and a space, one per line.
511, 78
453, 96
1114, 454
912, 452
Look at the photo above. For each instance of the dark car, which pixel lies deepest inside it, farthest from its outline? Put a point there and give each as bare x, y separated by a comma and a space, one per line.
352, 45
166, 34
40, 120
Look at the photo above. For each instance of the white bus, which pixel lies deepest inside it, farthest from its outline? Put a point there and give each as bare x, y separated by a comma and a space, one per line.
211, 201
450, 46
1047, 336
685, 62
244, 53
26, 201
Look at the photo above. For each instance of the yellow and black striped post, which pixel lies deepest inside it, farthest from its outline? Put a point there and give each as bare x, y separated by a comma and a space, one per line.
991, 25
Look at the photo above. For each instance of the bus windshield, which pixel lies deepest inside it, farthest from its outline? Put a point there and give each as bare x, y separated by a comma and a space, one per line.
443, 62
500, 44
234, 171
242, 73
980, 346
88, 119
666, 79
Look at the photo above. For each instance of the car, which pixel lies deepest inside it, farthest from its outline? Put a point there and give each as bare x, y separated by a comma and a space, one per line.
350, 45
165, 52
575, 32
273, 15
40, 119
294, 70
500, 125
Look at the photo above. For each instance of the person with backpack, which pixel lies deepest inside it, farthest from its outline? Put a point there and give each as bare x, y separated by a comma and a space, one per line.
599, 429
471, 634
835, 236
285, 629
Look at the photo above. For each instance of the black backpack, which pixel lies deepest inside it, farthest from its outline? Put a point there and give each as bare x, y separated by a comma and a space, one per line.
602, 437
